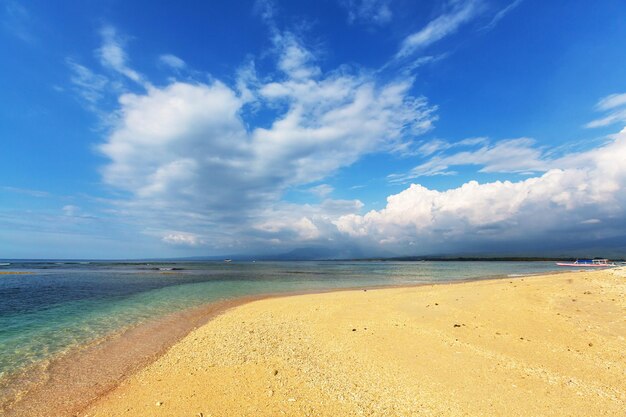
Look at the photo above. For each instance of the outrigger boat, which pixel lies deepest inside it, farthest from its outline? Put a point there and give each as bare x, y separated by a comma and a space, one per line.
588, 263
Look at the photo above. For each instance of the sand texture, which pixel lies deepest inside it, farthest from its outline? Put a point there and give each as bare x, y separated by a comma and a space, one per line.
536, 346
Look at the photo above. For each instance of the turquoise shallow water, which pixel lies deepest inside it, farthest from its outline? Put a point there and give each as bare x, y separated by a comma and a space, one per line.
60, 305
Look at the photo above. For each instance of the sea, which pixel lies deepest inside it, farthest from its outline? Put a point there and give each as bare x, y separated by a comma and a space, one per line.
52, 307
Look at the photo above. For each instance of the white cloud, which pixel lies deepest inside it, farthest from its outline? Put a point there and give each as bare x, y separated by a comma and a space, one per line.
189, 156
172, 61
186, 154
90, 86
18, 20
295, 60
70, 210
502, 13
182, 239
578, 189
440, 27
322, 190
376, 12
26, 191
511, 156
113, 56
611, 101
618, 116
430, 147
615, 104
303, 228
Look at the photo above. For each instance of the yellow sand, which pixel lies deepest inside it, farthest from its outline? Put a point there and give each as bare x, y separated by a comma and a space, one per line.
537, 346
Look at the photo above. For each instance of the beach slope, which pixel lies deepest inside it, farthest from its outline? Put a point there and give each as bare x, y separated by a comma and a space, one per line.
533, 346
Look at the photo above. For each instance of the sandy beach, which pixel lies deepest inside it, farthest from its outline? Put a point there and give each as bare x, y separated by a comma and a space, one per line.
531, 346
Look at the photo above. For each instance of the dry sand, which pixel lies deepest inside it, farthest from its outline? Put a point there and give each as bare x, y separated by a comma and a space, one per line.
534, 346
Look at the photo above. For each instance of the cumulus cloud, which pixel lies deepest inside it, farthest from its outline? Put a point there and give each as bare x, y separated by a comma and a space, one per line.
187, 147
199, 170
375, 12
579, 197
285, 224
440, 27
303, 228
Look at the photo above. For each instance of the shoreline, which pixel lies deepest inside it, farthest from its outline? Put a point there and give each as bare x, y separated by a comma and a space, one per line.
49, 388
547, 345
54, 393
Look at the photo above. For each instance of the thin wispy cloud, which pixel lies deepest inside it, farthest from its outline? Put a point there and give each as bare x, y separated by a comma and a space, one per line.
376, 12
501, 14
611, 101
113, 56
615, 105
519, 155
89, 85
172, 61
444, 25
322, 190
26, 191
17, 20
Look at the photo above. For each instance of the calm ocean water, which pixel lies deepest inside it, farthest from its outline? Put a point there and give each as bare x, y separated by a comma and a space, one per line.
59, 305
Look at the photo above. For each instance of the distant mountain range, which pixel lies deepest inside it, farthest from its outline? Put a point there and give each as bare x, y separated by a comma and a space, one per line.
354, 254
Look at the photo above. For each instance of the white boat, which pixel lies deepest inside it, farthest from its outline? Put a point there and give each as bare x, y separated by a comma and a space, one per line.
588, 263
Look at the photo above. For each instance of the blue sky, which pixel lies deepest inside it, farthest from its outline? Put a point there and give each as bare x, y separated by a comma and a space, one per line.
372, 127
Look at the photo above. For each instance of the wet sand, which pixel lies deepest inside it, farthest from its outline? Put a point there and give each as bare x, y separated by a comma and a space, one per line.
69, 383
548, 345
